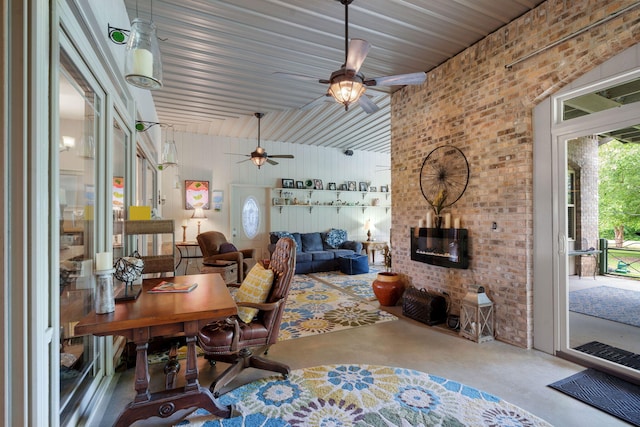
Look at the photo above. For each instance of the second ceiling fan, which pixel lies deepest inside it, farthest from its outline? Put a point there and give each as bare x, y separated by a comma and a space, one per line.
347, 85
259, 157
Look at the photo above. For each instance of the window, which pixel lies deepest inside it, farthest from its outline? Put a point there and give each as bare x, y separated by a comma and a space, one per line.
250, 217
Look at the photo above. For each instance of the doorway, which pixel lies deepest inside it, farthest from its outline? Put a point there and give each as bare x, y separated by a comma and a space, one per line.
558, 329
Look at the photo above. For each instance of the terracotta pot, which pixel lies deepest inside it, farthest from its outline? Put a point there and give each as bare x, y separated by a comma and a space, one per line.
388, 288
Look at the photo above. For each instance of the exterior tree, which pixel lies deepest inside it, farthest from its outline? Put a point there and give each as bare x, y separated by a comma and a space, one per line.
619, 189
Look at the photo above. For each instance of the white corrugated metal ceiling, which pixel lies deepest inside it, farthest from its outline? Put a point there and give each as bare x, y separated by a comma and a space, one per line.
219, 57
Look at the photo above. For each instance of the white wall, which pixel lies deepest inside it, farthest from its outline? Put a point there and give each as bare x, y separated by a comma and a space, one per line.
203, 157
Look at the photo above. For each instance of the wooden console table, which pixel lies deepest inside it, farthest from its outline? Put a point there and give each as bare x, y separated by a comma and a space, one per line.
373, 246
162, 315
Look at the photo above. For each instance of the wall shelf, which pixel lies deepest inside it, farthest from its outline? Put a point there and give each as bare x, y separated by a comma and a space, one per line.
336, 203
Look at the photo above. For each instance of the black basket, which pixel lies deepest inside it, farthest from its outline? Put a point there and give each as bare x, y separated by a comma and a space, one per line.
424, 306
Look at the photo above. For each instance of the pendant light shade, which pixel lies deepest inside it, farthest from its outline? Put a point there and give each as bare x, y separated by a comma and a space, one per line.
346, 88
143, 64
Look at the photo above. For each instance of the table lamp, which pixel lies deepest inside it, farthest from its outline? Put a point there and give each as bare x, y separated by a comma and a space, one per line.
198, 214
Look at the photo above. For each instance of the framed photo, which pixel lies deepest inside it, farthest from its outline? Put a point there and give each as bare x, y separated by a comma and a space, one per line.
196, 194
218, 197
343, 187
364, 186
317, 184
373, 189
299, 184
384, 188
287, 183
351, 185
331, 186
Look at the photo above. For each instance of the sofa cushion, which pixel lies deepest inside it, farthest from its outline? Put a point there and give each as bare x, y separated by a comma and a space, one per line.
302, 257
322, 255
336, 237
227, 247
255, 288
298, 240
338, 253
311, 242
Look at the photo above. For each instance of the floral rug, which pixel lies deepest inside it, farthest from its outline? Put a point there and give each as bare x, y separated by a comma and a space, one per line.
315, 308
363, 395
355, 284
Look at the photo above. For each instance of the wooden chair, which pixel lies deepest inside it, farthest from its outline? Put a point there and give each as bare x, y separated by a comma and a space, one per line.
233, 341
210, 243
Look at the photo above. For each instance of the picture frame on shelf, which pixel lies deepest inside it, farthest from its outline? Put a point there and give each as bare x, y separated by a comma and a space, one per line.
299, 185
308, 183
331, 186
317, 184
351, 185
196, 194
287, 183
373, 189
384, 188
363, 186
343, 187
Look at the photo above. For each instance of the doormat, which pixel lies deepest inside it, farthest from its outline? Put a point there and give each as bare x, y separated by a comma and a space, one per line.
605, 392
612, 354
606, 302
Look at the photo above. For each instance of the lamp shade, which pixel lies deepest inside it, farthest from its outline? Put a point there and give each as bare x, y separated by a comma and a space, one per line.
346, 87
198, 213
143, 63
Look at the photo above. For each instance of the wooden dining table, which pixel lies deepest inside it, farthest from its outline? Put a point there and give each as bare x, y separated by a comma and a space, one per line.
166, 315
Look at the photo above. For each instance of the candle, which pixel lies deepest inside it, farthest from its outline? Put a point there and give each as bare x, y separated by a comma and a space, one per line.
447, 220
456, 222
104, 261
185, 222
421, 223
142, 62
429, 223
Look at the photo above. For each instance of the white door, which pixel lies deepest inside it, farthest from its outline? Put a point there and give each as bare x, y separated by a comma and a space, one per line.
250, 218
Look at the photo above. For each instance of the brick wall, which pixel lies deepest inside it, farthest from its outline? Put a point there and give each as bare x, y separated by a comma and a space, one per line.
474, 103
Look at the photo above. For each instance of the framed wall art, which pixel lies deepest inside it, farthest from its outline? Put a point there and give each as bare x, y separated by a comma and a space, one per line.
217, 196
196, 194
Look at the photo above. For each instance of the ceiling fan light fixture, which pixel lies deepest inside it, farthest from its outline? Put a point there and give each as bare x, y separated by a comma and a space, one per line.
258, 159
345, 88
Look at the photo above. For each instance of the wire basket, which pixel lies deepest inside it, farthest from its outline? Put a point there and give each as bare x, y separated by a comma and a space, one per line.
128, 269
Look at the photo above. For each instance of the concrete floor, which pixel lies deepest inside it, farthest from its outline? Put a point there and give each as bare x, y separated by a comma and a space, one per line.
514, 374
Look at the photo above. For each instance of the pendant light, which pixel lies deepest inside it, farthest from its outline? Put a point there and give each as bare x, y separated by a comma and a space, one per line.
169, 151
143, 63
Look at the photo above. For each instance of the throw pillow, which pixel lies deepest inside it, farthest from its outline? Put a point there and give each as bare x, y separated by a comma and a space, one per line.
226, 248
336, 237
254, 288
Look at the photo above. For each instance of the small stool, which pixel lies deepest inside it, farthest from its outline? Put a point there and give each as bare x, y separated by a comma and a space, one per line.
354, 264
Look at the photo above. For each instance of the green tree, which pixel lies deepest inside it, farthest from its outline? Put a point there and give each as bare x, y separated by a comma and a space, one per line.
619, 188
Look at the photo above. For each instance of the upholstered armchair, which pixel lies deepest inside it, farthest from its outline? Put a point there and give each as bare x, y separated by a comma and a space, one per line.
238, 339
215, 247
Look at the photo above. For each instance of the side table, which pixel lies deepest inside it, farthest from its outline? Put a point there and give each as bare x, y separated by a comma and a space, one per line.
227, 269
184, 249
373, 246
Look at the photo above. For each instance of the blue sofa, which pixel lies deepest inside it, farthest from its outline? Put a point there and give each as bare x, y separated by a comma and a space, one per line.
318, 251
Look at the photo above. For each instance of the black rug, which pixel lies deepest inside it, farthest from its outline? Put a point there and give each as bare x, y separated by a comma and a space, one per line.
605, 392
612, 354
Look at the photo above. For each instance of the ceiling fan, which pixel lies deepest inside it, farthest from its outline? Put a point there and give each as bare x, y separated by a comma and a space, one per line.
259, 157
347, 85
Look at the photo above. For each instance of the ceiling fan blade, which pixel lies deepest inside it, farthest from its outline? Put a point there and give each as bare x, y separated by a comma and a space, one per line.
358, 50
272, 162
237, 154
316, 102
282, 156
399, 79
242, 161
295, 76
367, 104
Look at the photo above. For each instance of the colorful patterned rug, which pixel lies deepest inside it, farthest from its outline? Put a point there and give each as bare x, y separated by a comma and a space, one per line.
357, 284
363, 395
316, 308
606, 302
